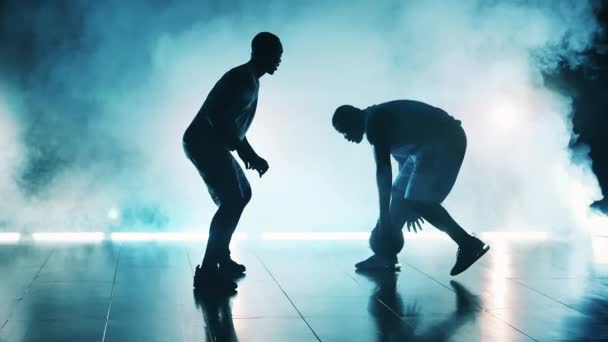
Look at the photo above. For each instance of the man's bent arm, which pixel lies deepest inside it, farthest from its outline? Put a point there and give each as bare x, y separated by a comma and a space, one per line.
245, 150
384, 179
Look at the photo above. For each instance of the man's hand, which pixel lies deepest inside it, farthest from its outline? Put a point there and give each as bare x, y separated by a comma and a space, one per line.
250, 158
259, 164
411, 223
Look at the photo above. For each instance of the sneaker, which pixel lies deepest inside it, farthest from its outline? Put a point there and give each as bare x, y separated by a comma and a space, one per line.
212, 280
232, 268
467, 254
379, 263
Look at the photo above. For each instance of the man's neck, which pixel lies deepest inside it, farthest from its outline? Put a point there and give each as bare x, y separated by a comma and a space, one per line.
255, 69
366, 115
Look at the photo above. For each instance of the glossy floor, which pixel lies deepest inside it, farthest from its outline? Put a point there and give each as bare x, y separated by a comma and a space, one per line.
304, 291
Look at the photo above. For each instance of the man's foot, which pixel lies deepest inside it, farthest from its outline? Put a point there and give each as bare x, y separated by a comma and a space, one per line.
379, 263
232, 268
467, 254
213, 280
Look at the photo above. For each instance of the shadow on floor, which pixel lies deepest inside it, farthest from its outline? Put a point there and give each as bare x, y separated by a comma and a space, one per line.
389, 329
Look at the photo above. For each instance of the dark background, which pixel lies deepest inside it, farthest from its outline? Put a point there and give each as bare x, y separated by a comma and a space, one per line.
588, 87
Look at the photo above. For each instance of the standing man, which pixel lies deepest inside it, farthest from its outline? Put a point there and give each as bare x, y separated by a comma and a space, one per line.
429, 145
219, 128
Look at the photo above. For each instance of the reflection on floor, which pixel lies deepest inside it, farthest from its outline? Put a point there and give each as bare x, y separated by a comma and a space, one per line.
303, 291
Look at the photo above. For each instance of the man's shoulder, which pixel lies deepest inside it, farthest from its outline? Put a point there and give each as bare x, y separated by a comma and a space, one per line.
376, 126
240, 77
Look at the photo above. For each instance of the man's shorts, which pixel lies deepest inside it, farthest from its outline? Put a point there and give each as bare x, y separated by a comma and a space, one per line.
221, 173
428, 172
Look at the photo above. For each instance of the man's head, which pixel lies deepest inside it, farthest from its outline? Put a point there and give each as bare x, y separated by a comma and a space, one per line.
350, 121
266, 51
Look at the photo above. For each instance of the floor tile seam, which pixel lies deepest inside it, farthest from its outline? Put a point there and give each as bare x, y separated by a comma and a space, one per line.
509, 324
290, 318
479, 306
376, 298
190, 263
252, 317
430, 277
549, 297
288, 298
20, 299
105, 326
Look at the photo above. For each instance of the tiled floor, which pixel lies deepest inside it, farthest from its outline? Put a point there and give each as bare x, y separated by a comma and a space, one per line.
304, 291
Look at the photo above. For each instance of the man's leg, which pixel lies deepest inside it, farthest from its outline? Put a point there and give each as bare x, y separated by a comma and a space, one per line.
232, 193
470, 248
435, 214
217, 168
222, 227
226, 263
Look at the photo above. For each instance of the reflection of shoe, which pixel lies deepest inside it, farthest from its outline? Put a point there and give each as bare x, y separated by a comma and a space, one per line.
379, 263
465, 300
232, 268
467, 254
213, 280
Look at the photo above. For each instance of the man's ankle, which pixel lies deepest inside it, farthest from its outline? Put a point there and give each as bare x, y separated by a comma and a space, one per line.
207, 266
391, 258
466, 240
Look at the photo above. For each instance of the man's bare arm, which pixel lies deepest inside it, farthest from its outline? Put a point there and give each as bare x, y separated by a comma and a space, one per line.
384, 179
246, 152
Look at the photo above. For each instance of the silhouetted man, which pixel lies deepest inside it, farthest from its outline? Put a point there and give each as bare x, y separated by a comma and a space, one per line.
219, 128
429, 146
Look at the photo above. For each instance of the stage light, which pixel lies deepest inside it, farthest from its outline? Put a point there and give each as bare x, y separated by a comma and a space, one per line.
514, 236
69, 237
163, 236
314, 236
264, 236
339, 236
9, 237
113, 214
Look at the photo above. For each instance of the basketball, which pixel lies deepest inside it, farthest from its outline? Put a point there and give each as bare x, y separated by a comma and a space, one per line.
386, 242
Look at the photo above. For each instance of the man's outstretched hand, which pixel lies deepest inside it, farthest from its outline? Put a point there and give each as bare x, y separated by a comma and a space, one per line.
412, 223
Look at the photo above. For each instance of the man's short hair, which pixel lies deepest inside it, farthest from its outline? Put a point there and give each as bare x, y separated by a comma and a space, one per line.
342, 114
265, 42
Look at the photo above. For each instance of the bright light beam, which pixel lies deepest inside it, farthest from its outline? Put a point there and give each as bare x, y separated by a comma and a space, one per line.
314, 236
69, 237
265, 236
162, 236
9, 238
423, 235
336, 236
514, 236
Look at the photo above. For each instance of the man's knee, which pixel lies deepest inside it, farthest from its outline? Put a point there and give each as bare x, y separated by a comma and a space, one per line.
237, 200
246, 196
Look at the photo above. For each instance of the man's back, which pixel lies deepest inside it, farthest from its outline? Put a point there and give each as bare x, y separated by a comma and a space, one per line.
403, 122
231, 102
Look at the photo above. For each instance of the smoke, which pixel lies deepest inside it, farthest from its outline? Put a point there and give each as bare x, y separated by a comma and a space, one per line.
95, 118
